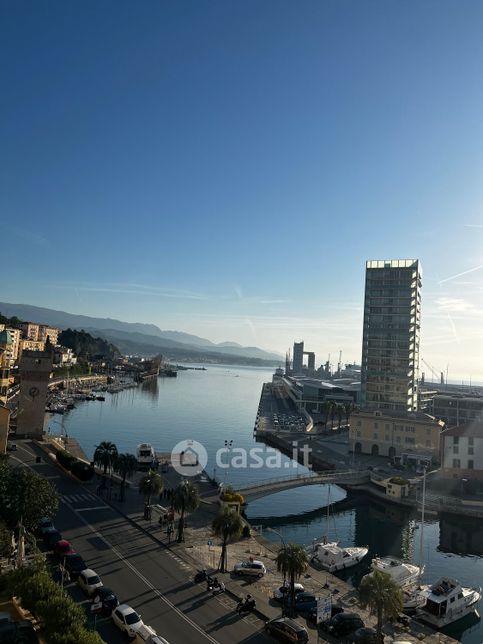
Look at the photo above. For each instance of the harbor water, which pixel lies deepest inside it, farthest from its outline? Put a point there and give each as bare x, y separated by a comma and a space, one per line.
219, 405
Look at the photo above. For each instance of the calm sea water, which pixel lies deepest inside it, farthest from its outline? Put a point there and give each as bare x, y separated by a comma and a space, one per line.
220, 404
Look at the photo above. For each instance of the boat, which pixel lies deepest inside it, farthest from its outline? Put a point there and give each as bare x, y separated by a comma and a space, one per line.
331, 557
413, 597
446, 602
145, 456
404, 574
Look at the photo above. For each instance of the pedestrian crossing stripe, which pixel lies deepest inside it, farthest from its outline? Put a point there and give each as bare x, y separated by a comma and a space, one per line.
75, 498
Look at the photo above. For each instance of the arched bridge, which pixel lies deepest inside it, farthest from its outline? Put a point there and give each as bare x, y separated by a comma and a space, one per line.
272, 486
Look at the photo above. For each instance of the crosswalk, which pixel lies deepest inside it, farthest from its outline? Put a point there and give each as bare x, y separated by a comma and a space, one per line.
94, 502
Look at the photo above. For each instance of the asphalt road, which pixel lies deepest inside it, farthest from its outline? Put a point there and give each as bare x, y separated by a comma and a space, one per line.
145, 575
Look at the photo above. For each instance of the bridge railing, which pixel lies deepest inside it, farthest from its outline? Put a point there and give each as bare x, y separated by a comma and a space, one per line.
330, 475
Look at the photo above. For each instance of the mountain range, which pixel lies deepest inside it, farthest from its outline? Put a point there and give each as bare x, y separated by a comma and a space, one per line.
144, 339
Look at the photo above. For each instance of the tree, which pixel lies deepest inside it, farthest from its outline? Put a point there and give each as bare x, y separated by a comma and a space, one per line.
25, 497
383, 596
125, 465
292, 561
150, 484
340, 413
348, 407
105, 456
327, 407
227, 525
186, 498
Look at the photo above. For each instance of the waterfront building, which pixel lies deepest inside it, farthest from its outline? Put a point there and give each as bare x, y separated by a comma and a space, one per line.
12, 349
404, 436
30, 345
298, 358
35, 369
30, 331
462, 451
457, 409
310, 394
5, 343
64, 356
390, 346
50, 332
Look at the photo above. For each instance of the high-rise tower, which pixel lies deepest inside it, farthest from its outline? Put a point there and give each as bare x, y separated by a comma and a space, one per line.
390, 344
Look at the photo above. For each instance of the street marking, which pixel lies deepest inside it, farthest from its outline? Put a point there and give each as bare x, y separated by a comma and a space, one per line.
97, 507
143, 579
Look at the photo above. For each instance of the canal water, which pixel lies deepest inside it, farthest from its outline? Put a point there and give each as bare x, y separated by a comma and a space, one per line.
219, 405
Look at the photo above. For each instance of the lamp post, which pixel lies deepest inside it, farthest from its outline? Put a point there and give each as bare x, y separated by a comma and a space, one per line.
228, 446
284, 574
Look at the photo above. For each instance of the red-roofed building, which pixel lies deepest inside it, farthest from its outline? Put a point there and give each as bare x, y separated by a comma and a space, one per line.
462, 451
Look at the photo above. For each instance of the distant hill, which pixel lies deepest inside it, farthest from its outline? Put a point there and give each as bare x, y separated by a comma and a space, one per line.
143, 339
86, 347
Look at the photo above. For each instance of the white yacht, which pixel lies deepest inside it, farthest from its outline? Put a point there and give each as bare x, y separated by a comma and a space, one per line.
404, 574
331, 557
446, 602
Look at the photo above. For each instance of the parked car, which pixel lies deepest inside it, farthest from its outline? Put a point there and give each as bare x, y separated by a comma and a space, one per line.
11, 447
304, 602
74, 564
63, 548
283, 591
147, 635
363, 636
343, 624
127, 619
250, 568
285, 629
51, 537
89, 581
108, 600
44, 524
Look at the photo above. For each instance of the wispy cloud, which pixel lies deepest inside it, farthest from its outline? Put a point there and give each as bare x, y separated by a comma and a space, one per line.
453, 277
134, 289
453, 304
473, 225
28, 236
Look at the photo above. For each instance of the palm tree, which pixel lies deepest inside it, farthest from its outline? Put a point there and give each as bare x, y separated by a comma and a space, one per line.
227, 525
125, 465
292, 560
105, 455
340, 412
186, 498
348, 407
150, 484
327, 407
383, 596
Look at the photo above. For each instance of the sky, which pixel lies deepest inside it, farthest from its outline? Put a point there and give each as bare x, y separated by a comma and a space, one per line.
226, 168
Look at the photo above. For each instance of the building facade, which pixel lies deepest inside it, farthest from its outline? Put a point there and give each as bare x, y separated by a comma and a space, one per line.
298, 358
457, 409
390, 346
49, 332
30, 345
35, 369
462, 451
30, 331
412, 436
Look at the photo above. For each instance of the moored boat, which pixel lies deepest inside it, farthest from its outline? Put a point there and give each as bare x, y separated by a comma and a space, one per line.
332, 557
404, 574
447, 601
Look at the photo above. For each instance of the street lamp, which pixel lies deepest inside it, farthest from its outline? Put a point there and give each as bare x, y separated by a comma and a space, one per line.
228, 446
284, 574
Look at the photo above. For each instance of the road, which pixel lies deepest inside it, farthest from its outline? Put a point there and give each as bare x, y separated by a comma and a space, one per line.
141, 572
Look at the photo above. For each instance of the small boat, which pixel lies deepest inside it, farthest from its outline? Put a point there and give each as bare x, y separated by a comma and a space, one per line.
146, 456
404, 574
331, 557
446, 602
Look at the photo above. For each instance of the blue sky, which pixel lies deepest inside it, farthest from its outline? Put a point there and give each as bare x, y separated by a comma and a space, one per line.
226, 168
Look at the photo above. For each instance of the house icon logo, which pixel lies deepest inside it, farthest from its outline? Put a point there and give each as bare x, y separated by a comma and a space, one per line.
189, 458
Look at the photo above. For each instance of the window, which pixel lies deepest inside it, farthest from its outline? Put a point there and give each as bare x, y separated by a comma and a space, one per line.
376, 425
455, 449
358, 433
456, 463
456, 440
375, 435
470, 464
471, 451
471, 441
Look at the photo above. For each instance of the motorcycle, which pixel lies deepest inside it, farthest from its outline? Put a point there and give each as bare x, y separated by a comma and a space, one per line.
247, 605
200, 576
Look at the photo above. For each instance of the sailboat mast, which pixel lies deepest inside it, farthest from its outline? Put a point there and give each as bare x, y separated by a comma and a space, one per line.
421, 534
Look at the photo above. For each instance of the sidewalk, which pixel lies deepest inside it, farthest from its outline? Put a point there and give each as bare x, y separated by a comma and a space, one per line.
202, 550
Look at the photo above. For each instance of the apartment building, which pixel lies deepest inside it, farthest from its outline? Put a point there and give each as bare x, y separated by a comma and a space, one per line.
462, 451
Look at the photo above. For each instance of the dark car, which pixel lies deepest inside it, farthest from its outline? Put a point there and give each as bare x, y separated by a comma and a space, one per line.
284, 629
44, 524
107, 598
335, 610
52, 537
343, 624
74, 564
363, 636
304, 602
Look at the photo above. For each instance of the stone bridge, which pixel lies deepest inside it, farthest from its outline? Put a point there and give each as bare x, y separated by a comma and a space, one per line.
272, 486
